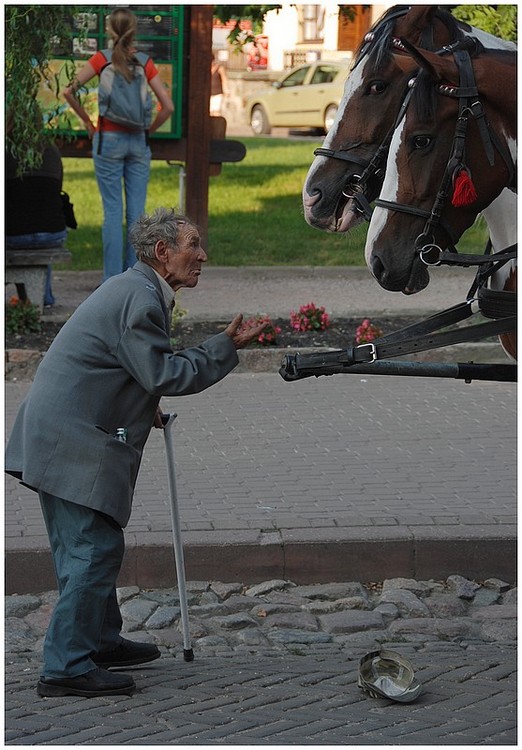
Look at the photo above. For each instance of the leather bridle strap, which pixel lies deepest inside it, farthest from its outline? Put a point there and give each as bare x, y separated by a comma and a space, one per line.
344, 155
465, 91
423, 214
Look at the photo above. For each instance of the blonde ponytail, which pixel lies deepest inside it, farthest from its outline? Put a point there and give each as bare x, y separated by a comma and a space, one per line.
122, 27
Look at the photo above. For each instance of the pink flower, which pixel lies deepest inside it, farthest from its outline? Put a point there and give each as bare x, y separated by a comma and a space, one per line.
269, 335
309, 318
367, 332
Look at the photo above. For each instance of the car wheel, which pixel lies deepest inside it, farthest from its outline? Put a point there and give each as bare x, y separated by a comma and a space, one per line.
329, 116
259, 121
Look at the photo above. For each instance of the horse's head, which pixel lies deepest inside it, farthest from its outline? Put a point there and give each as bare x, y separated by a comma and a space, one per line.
450, 157
371, 102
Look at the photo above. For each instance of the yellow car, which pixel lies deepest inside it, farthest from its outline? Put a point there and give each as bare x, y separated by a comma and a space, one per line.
307, 97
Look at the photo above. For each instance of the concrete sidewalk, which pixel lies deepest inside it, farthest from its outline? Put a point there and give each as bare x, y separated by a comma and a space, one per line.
344, 291
324, 479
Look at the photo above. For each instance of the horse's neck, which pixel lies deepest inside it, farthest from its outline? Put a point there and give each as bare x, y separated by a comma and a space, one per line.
501, 218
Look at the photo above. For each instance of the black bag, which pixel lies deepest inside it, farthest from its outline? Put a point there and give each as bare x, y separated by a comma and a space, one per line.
68, 211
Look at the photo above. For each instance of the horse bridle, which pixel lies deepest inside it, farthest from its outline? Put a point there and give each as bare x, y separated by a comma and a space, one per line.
469, 107
374, 169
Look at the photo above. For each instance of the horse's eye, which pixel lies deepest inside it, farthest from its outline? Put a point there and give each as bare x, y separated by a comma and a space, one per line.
421, 141
377, 87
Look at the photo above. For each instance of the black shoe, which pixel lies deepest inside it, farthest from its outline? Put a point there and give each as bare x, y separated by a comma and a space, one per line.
91, 684
127, 654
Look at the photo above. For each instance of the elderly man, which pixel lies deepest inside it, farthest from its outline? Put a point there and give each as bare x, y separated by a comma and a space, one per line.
106, 370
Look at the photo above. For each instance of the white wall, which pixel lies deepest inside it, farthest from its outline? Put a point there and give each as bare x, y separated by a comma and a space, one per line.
281, 27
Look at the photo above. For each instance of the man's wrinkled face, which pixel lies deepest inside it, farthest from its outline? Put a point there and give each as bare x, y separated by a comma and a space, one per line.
182, 265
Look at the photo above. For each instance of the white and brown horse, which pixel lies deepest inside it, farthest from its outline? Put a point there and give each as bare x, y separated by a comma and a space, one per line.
451, 155
335, 198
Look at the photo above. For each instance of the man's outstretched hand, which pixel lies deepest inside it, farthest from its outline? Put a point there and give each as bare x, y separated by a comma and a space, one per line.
241, 334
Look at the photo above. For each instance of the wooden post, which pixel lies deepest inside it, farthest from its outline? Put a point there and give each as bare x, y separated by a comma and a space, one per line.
198, 117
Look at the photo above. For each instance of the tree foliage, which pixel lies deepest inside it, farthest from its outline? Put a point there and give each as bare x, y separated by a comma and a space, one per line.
31, 31
238, 37
500, 20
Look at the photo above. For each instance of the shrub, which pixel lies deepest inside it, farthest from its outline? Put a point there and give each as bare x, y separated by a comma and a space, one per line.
367, 332
22, 317
310, 318
268, 337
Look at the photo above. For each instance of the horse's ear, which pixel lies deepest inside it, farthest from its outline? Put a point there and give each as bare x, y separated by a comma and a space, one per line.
439, 67
405, 62
416, 19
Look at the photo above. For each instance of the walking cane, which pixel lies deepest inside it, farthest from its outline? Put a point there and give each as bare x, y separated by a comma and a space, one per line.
168, 421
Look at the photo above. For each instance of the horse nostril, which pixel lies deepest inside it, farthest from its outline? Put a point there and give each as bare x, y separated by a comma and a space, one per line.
310, 199
377, 267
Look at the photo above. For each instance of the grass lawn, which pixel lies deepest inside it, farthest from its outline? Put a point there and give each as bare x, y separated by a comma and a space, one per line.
255, 211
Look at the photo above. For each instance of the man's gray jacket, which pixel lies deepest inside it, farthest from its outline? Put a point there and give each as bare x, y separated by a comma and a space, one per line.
107, 368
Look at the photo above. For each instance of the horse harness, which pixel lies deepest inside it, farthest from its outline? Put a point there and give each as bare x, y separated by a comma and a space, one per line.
499, 305
374, 169
469, 106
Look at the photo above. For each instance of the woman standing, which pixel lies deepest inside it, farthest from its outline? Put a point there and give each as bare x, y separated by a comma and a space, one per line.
121, 154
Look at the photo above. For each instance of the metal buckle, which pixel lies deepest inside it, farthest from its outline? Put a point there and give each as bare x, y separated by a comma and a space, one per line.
373, 351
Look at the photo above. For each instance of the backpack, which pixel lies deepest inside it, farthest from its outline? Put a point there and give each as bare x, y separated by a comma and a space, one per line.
126, 103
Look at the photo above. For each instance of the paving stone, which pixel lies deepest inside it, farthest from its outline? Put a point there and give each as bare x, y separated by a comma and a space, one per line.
406, 602
485, 597
20, 605
163, 617
496, 612
224, 590
21, 636
330, 590
419, 588
350, 621
388, 611
235, 621
441, 628
137, 611
265, 588
297, 636
462, 587
291, 621
126, 592
510, 597
446, 605
500, 631
497, 585
265, 609
323, 607
240, 603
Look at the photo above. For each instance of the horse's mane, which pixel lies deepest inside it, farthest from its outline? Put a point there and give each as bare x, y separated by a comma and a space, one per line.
379, 53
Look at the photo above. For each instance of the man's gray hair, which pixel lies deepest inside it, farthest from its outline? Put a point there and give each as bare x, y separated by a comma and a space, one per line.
163, 224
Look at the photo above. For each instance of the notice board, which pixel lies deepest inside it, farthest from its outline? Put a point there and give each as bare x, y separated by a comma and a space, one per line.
160, 35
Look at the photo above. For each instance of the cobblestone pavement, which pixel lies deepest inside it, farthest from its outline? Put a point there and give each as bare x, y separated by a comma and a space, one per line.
276, 663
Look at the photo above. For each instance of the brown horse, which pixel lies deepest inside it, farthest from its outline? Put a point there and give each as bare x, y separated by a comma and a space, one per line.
451, 155
334, 197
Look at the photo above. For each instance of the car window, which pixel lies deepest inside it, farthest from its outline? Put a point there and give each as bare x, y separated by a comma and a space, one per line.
324, 74
296, 78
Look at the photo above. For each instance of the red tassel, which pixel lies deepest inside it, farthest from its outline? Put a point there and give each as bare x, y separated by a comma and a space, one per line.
464, 191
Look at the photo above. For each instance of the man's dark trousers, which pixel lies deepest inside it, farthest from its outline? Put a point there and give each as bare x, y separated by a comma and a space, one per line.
87, 548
